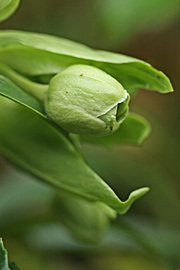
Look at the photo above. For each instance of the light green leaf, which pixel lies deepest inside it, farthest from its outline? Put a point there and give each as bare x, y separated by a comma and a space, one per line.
32, 143
7, 7
10, 90
39, 54
3, 257
134, 130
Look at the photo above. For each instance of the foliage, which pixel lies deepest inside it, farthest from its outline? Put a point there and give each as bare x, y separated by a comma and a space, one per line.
39, 145
4, 265
87, 184
7, 7
27, 53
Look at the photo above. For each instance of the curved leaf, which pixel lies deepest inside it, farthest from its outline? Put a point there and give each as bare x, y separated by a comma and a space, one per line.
4, 265
39, 54
7, 7
134, 130
10, 90
3, 257
30, 142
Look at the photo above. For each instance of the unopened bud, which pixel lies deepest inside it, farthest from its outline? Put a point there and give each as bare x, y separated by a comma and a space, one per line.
85, 100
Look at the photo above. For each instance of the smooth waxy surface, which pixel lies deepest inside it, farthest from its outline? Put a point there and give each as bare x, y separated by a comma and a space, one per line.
85, 100
38, 54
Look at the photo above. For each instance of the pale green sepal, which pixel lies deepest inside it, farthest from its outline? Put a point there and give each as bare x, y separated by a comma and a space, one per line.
86, 100
133, 131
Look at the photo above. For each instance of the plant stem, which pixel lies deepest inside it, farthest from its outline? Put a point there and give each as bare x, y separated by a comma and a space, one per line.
37, 90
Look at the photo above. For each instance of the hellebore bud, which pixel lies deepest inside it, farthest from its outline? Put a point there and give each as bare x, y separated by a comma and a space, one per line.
85, 100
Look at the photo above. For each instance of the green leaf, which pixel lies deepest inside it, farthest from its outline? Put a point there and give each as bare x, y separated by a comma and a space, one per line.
134, 130
7, 8
39, 54
3, 257
10, 90
28, 140
4, 265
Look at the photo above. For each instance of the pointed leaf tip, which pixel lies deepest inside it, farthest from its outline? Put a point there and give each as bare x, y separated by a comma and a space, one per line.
134, 195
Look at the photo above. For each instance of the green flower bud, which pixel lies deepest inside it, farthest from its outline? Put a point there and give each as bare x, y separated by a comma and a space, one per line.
85, 100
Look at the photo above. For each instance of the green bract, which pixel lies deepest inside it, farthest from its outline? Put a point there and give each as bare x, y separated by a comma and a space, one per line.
85, 100
37, 55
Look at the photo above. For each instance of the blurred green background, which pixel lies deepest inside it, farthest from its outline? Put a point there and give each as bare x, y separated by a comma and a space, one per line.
148, 236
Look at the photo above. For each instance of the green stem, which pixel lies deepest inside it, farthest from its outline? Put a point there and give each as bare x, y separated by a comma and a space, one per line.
37, 90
